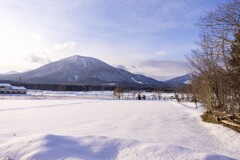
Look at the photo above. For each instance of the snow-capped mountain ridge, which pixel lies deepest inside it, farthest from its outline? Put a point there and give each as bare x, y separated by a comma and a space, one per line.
81, 70
182, 80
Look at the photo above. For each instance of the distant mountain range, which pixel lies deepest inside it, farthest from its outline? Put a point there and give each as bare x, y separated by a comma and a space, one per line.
182, 80
11, 72
85, 71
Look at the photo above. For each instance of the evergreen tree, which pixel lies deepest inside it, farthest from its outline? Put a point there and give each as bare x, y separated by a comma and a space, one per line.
234, 59
234, 65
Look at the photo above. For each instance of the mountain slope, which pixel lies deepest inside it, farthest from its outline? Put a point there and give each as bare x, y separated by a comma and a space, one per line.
11, 72
81, 70
182, 80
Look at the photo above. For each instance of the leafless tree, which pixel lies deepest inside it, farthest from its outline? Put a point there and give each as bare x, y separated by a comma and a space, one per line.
217, 61
118, 92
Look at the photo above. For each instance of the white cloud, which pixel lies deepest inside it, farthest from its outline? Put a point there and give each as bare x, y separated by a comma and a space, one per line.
65, 46
40, 58
36, 36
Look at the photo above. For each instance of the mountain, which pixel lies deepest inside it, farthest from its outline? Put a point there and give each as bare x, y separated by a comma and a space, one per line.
11, 72
84, 71
182, 80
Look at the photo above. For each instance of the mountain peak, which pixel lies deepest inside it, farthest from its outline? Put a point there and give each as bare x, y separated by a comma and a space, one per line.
80, 60
81, 70
76, 58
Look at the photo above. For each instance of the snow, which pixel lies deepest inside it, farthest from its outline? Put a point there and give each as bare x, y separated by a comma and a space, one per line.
83, 61
188, 82
136, 81
72, 94
80, 60
111, 129
5, 85
18, 88
76, 77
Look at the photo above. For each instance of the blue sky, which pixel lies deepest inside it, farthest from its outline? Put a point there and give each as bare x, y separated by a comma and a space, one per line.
150, 37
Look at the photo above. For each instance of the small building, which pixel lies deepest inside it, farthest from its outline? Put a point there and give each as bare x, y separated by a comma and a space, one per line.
19, 90
6, 88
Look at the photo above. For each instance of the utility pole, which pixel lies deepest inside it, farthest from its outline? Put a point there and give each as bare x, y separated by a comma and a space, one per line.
19, 80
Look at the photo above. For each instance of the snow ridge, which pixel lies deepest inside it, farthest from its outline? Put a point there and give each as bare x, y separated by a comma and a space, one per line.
40, 147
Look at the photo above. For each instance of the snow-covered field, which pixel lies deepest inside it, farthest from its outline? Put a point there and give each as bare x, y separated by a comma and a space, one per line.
104, 95
110, 129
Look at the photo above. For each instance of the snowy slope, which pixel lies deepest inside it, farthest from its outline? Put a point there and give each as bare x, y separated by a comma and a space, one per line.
182, 80
140, 79
98, 129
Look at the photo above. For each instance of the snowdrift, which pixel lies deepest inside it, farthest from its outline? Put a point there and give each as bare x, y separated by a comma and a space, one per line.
111, 130
52, 147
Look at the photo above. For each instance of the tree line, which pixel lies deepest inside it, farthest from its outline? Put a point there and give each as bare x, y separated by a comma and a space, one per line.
216, 62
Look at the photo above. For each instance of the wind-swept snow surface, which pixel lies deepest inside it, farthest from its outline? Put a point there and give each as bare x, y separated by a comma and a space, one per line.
105, 129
